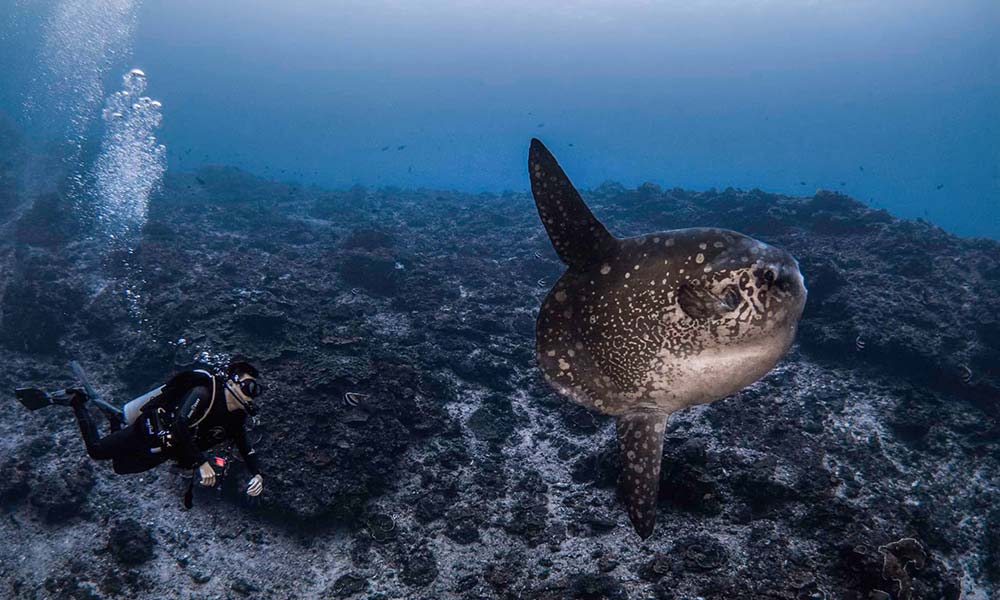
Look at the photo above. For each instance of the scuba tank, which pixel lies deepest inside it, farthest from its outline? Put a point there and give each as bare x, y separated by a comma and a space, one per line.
133, 408
163, 395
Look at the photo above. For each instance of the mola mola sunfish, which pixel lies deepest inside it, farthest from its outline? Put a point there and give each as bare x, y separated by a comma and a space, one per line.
641, 327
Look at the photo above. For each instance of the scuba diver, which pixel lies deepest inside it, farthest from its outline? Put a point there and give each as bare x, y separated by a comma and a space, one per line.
179, 421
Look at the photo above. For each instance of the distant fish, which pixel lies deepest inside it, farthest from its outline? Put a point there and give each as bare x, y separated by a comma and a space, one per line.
403, 147
571, 144
352, 399
842, 184
939, 186
859, 343
860, 168
384, 148
966, 374
541, 124
200, 180
802, 183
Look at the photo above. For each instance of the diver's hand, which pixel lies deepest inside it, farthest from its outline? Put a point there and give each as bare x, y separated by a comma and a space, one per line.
207, 474
255, 486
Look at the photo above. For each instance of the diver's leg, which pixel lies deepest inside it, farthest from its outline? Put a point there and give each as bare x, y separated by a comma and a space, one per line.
115, 421
136, 462
88, 430
121, 443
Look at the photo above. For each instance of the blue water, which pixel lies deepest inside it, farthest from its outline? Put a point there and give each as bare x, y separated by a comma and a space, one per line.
894, 102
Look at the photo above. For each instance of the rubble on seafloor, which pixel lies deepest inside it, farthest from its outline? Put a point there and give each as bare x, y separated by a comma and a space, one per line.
851, 471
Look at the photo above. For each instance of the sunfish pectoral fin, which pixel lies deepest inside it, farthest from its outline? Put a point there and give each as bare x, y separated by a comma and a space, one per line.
640, 441
578, 237
700, 303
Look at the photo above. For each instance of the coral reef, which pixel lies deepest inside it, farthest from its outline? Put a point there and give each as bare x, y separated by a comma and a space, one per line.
411, 450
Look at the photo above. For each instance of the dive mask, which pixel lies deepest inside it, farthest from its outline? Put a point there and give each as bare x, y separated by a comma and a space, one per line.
251, 388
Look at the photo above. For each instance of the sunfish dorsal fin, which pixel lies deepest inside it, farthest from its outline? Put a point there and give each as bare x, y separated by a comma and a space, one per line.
640, 440
579, 238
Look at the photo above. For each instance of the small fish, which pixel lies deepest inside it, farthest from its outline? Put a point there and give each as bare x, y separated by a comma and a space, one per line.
200, 180
860, 168
403, 147
802, 183
859, 343
939, 186
384, 148
541, 124
843, 183
966, 374
352, 399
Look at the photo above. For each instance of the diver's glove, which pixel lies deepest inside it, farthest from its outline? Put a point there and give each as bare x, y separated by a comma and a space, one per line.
207, 473
255, 486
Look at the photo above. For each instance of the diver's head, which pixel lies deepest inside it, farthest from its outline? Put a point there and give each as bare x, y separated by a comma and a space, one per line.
242, 384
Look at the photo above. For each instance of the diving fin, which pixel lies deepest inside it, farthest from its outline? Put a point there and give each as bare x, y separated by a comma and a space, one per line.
34, 398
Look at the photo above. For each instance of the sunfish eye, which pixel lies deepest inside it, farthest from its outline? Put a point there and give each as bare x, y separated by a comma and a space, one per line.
770, 275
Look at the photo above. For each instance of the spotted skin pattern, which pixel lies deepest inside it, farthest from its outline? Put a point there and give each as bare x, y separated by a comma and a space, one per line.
639, 328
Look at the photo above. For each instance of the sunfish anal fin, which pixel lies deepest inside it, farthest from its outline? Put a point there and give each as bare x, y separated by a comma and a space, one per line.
640, 441
578, 237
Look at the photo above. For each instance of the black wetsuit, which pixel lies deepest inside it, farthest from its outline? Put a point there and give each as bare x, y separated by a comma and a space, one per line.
180, 431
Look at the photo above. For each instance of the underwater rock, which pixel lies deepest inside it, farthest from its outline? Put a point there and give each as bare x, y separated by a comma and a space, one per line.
463, 524
57, 492
48, 223
369, 239
494, 421
456, 441
419, 566
37, 312
529, 514
347, 585
130, 542
374, 272
261, 321
14, 477
583, 586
